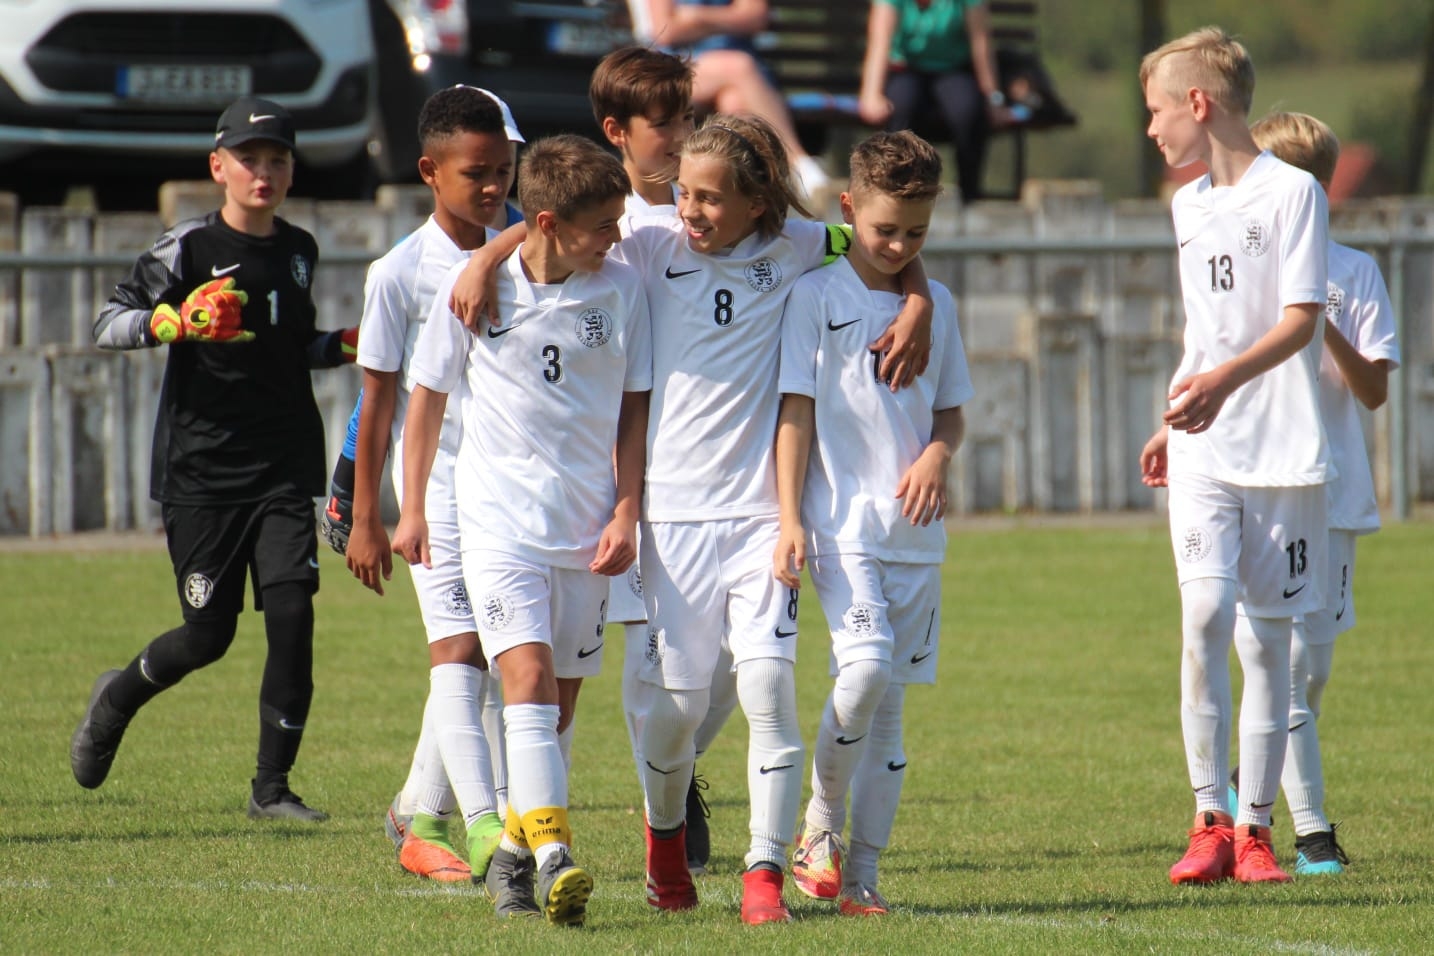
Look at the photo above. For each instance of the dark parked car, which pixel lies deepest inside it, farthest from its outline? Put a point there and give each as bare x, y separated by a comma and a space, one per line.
538, 56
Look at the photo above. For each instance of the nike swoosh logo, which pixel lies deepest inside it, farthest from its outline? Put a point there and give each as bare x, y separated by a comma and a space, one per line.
1339, 616
260, 117
893, 766
1186, 242
660, 770
677, 275
314, 563
584, 652
837, 328
494, 332
285, 725
918, 658
781, 766
1298, 726
1289, 594
848, 741
781, 633
216, 272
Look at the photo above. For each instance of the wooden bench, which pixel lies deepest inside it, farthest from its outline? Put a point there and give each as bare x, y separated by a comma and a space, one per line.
814, 50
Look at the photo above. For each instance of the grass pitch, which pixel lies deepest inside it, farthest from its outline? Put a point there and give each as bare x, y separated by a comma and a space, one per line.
1045, 800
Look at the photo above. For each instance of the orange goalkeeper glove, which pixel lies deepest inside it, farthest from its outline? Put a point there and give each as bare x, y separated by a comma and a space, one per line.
211, 313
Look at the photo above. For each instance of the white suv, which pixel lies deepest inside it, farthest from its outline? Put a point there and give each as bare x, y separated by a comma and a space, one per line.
91, 89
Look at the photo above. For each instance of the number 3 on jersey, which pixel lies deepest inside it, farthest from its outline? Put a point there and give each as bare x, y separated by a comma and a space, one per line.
553, 372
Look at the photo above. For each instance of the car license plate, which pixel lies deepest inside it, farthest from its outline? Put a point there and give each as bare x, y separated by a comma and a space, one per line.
586, 39
183, 83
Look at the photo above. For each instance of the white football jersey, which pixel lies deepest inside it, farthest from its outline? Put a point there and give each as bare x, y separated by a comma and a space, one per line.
1246, 252
638, 209
535, 466
716, 333
866, 435
398, 295
1359, 307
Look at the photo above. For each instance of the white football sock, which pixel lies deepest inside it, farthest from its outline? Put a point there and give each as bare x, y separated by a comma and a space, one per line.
876, 789
722, 702
540, 780
636, 692
668, 753
435, 795
1263, 646
767, 688
453, 694
1207, 618
494, 733
842, 738
1303, 776
424, 750
565, 746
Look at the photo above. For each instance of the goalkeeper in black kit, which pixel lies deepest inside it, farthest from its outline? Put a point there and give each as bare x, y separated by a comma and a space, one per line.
238, 446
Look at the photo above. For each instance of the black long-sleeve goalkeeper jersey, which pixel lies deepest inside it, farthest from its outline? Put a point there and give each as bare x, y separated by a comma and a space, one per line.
237, 422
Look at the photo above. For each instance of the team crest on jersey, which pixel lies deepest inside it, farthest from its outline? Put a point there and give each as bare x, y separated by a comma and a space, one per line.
860, 619
1254, 238
456, 601
634, 580
1334, 303
198, 589
764, 275
1195, 545
594, 328
299, 269
497, 612
654, 646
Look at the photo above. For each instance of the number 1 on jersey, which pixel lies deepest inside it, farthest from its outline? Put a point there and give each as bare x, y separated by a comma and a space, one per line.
273, 306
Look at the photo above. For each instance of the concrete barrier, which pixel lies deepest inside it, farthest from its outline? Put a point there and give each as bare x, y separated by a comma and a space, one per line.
1069, 308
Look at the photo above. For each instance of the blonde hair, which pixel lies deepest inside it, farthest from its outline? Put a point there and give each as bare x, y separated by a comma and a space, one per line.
1207, 59
1300, 140
752, 151
568, 174
901, 165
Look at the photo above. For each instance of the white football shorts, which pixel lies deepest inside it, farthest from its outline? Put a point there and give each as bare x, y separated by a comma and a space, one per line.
710, 584
517, 601
442, 596
1272, 542
881, 611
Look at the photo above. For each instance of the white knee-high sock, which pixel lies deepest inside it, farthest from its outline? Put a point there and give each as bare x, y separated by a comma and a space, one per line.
876, 789
723, 702
842, 738
539, 781
636, 692
668, 753
565, 745
1264, 651
496, 735
1207, 618
425, 749
454, 694
1303, 776
767, 688
435, 795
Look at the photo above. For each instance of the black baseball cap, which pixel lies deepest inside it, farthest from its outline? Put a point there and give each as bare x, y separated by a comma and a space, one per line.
249, 118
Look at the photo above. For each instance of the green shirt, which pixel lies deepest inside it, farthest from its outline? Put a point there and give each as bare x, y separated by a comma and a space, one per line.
931, 39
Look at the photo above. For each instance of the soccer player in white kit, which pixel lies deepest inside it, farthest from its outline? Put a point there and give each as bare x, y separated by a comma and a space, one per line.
1360, 350
469, 159
642, 101
548, 481
1242, 449
861, 475
717, 280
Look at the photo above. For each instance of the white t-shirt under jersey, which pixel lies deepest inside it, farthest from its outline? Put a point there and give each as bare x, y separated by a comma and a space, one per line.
397, 298
1359, 307
1247, 251
716, 333
866, 435
534, 475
